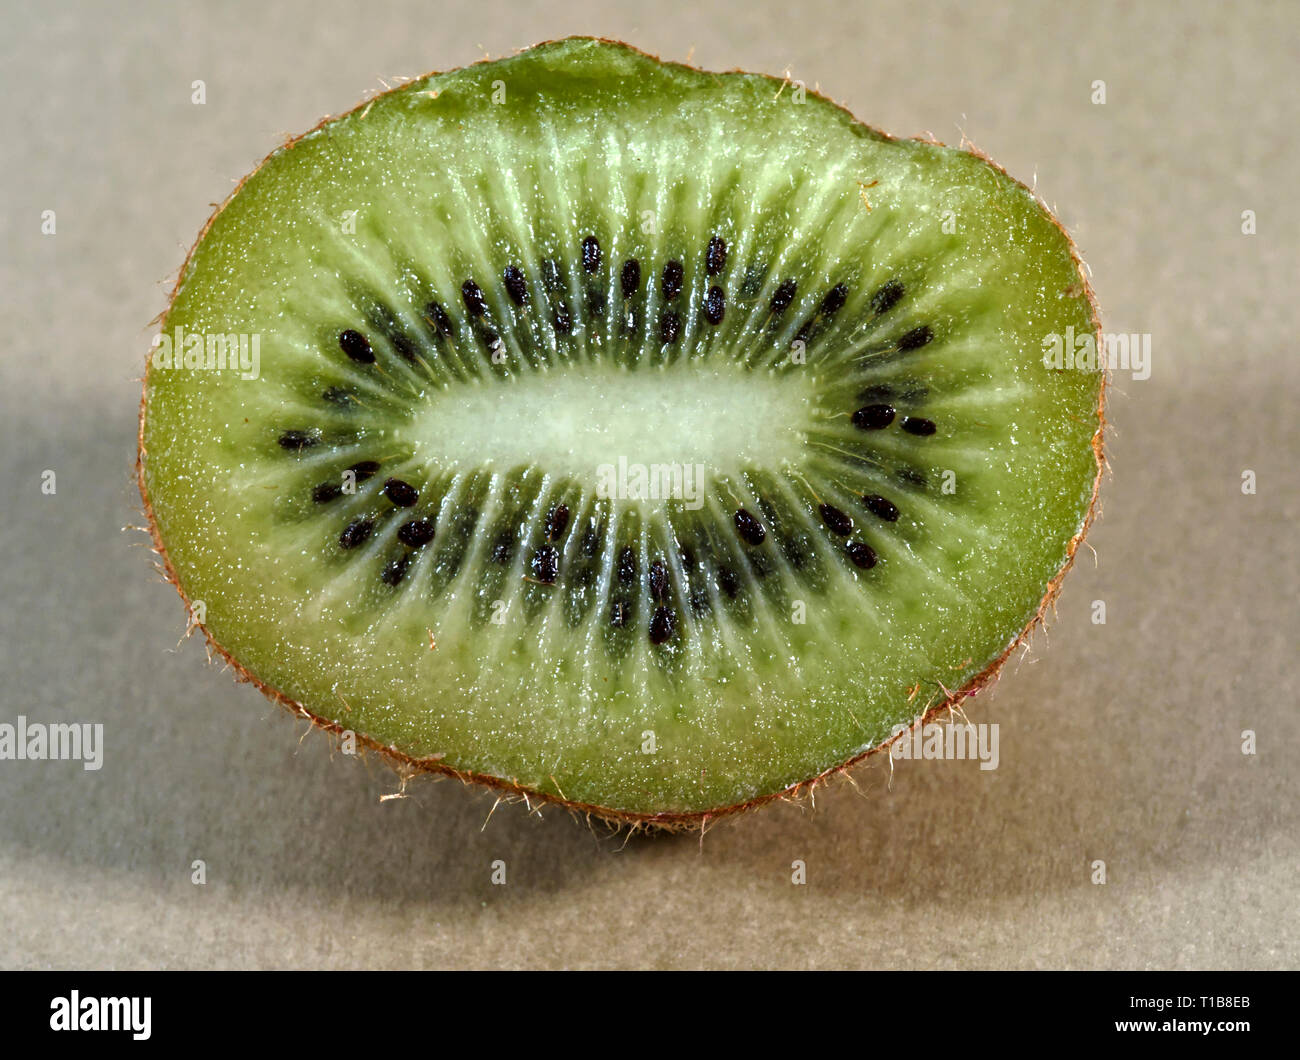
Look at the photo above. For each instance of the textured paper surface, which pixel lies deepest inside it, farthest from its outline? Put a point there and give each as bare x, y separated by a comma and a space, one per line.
1120, 742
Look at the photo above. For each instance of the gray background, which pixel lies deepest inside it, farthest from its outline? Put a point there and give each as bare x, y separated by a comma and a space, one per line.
1119, 742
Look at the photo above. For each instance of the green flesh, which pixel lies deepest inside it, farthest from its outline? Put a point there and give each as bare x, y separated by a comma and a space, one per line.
785, 657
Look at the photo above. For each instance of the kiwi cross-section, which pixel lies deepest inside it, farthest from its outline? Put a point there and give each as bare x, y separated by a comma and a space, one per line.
650, 440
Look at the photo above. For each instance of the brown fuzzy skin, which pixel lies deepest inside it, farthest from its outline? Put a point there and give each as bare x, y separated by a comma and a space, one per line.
406, 766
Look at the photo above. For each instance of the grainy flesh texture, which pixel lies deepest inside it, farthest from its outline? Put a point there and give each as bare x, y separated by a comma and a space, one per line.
643, 437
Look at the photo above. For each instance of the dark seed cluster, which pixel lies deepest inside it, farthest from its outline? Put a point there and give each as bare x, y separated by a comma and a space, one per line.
546, 564
861, 554
750, 529
661, 625
715, 305
356, 533
630, 277
295, 441
715, 258
417, 533
873, 417
516, 285
916, 338
557, 520
658, 580
836, 520
783, 297
764, 537
402, 494
472, 295
627, 566
881, 507
356, 346
395, 571
673, 276
886, 296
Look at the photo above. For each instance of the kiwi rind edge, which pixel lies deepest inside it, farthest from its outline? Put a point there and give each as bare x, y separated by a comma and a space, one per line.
407, 766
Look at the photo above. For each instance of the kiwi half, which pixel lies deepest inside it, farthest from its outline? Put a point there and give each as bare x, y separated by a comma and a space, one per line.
650, 440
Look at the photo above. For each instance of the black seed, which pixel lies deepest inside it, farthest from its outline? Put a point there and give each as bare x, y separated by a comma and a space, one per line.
402, 494
631, 277
716, 256
834, 518
417, 533
402, 345
796, 550
396, 570
729, 582
658, 580
552, 278
557, 520
326, 491
873, 417
618, 614
877, 392
835, 299
672, 280
670, 326
563, 320
916, 338
546, 564
354, 344
582, 578
749, 528
336, 395
661, 625
627, 566
516, 285
699, 602
504, 547
887, 296
298, 440
364, 469
688, 557
916, 425
881, 506
783, 296
715, 305
596, 303
355, 533
475, 303
438, 315
590, 254
862, 555
491, 339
